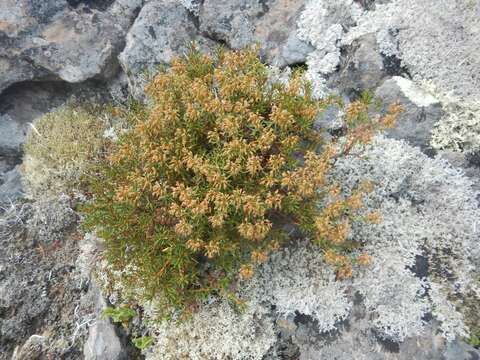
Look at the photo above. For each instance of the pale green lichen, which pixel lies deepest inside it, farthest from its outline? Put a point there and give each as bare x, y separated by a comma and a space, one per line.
459, 129
58, 148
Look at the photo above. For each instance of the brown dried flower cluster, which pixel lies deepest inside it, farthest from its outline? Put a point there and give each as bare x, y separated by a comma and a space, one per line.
212, 169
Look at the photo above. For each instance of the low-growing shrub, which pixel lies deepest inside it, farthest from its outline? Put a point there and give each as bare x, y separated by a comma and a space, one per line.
58, 148
214, 167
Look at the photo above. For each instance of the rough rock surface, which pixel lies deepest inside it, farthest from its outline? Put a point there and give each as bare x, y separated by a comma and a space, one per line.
103, 342
58, 39
231, 22
10, 185
31, 350
39, 290
271, 24
49, 308
361, 69
276, 33
19, 106
421, 111
163, 29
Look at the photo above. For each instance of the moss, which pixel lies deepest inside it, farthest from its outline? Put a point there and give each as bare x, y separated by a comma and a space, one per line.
58, 148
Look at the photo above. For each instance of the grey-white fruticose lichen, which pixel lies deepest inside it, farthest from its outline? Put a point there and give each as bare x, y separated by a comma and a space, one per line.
295, 280
459, 128
438, 55
322, 25
298, 281
217, 331
429, 213
277, 75
51, 218
442, 56
11, 216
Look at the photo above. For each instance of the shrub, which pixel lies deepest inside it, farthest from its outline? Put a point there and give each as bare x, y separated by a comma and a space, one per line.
58, 148
212, 169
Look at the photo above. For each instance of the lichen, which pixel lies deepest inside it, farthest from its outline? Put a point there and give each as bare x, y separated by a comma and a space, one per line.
422, 260
322, 25
428, 210
58, 148
459, 128
217, 331
297, 280
51, 218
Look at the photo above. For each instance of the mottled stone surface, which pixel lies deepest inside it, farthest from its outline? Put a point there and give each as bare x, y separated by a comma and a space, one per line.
57, 39
421, 111
103, 342
271, 24
163, 29
360, 69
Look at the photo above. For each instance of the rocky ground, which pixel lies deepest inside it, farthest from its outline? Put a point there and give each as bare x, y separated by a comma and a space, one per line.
40, 286
423, 53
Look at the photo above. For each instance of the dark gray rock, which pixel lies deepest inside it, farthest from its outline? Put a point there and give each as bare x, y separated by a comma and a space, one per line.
163, 29
276, 33
361, 67
458, 350
13, 134
367, 4
272, 24
20, 105
421, 111
103, 343
55, 40
231, 22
